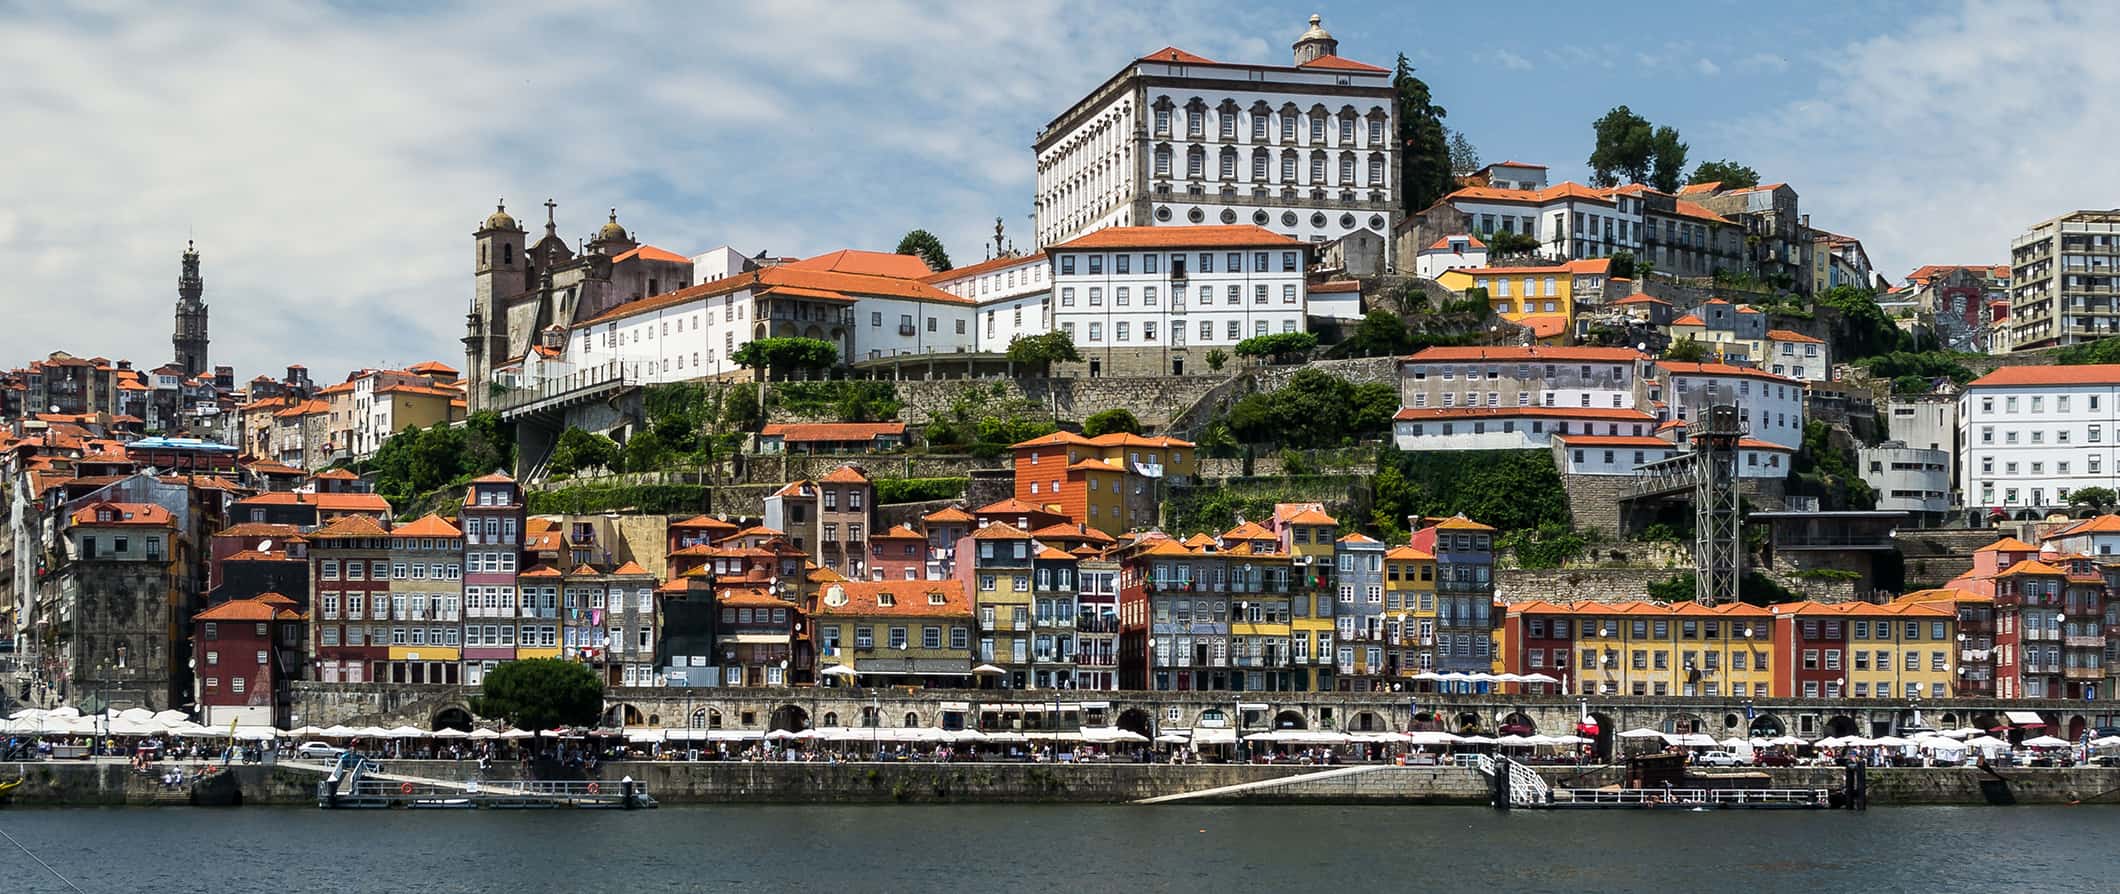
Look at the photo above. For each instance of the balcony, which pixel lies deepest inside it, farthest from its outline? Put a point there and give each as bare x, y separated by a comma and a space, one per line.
2041, 633
2085, 642
2085, 673
1020, 624
986, 624
1972, 655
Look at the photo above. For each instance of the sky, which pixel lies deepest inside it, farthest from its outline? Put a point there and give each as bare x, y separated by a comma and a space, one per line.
332, 160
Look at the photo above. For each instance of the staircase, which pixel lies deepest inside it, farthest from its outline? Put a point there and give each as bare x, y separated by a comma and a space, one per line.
1526, 788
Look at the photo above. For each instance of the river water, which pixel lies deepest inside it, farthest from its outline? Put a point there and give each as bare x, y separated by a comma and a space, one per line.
1062, 848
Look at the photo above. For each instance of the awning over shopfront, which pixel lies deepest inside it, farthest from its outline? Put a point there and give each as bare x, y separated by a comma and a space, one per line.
2023, 718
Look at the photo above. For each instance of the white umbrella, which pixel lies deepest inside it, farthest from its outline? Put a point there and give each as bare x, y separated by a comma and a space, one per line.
1894, 742
140, 715
1985, 742
1476, 740
1787, 741
1691, 740
257, 733
518, 734
305, 732
841, 670
1515, 741
780, 735
372, 732
2046, 742
1643, 733
988, 669
1735, 742
451, 734
1173, 738
485, 734
1570, 740
2106, 742
644, 735
405, 732
338, 732
1430, 737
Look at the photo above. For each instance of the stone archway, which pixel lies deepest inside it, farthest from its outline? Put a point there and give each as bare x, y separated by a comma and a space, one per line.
1290, 720
912, 719
789, 718
452, 717
1607, 729
831, 718
2077, 724
1841, 725
1683, 724
623, 714
1768, 726
1365, 722
1134, 720
1517, 723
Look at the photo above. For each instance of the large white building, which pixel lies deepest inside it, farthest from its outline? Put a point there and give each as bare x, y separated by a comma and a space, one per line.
2064, 275
1154, 300
1770, 406
1308, 150
2033, 434
1011, 296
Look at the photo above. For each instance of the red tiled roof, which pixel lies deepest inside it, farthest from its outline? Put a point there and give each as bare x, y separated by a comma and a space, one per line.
122, 514
1792, 335
845, 475
630, 569
429, 525
1173, 54
2016, 376
909, 598
651, 253
1001, 263
326, 502
1336, 62
1618, 441
1443, 244
1339, 285
1642, 298
1675, 367
1689, 320
1602, 414
799, 432
254, 609
1238, 236
431, 366
1544, 325
948, 514
865, 263
796, 279
349, 526
1531, 354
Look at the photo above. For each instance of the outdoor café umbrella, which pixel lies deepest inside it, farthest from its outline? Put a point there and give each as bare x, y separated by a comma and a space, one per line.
446, 733
304, 732
2046, 742
1643, 733
1985, 742
518, 734
405, 732
485, 734
988, 670
1430, 737
841, 670
1173, 739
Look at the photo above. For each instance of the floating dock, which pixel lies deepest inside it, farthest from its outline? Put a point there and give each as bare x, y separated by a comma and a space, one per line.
358, 784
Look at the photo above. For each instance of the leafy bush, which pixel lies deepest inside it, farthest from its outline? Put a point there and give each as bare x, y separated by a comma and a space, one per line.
1550, 545
848, 400
421, 460
1509, 489
578, 450
919, 490
985, 421
1280, 346
654, 499
2104, 350
1315, 409
781, 355
1117, 419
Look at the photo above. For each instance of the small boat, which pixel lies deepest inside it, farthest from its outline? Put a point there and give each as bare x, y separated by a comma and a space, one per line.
443, 804
11, 785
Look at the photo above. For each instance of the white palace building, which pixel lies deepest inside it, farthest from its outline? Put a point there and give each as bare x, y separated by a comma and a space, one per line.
1307, 150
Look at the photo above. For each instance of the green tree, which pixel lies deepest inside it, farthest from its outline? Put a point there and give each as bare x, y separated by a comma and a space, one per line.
1509, 489
1314, 409
1921, 368
540, 693
1504, 242
1040, 352
2104, 350
1216, 358
1668, 163
1689, 350
1863, 329
2101, 499
1623, 264
1424, 147
578, 450
1829, 472
1625, 148
1117, 419
740, 409
927, 247
984, 421
1464, 157
1549, 545
1280, 346
1726, 172
785, 354
1380, 334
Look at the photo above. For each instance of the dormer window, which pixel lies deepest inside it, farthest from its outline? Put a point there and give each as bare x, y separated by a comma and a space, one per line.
885, 600
935, 598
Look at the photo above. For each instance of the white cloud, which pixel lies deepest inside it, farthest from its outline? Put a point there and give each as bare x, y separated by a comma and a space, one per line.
332, 163
1707, 67
1767, 63
1941, 141
1512, 61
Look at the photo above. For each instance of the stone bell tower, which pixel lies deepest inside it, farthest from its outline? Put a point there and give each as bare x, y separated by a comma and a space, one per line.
1315, 42
189, 336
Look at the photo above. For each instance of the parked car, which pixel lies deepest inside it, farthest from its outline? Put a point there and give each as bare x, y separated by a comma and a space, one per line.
318, 750
1718, 759
1774, 759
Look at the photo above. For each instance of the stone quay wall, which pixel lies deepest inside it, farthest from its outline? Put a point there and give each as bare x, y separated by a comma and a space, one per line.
1906, 786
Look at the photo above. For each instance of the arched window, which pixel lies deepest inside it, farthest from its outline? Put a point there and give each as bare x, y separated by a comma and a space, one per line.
911, 719
507, 253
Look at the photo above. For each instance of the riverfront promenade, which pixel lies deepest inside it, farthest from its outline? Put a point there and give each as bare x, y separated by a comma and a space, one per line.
114, 783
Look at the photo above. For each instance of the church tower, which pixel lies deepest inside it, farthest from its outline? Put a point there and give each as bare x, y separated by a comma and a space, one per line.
189, 337
1315, 42
500, 271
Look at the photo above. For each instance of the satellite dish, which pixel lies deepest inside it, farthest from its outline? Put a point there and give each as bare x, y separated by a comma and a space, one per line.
265, 545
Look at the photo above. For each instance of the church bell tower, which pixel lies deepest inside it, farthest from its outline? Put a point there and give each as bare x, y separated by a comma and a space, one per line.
189, 336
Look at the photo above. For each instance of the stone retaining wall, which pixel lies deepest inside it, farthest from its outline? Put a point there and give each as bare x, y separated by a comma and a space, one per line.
1902, 786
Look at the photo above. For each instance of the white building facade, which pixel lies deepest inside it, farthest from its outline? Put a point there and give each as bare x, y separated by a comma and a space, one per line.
1154, 300
1308, 150
2034, 434
1771, 406
1011, 297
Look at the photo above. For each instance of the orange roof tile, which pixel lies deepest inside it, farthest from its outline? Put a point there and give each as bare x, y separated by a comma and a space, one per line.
1358, 537
1527, 354
865, 263
2031, 566
253, 609
1792, 335
1603, 414
630, 569
1000, 263
1641, 298
2009, 545
1676, 367
540, 571
1461, 523
816, 283
2084, 374
1617, 441
1173, 54
799, 432
845, 475
1689, 320
1443, 244
325, 502
122, 514
909, 598
1011, 505
1237, 236
651, 253
948, 514
703, 521
429, 525
1544, 325
1247, 531
1313, 517
349, 526
1341, 64
1001, 531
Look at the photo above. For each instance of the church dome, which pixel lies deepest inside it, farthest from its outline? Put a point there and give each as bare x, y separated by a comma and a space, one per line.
611, 231
1317, 30
499, 219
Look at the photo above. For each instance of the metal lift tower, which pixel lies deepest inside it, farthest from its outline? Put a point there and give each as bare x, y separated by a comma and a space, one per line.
1718, 541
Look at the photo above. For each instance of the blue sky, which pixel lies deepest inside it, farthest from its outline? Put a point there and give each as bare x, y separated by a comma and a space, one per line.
333, 159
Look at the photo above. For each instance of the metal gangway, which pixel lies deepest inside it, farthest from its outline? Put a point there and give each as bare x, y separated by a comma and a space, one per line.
357, 782
1516, 785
